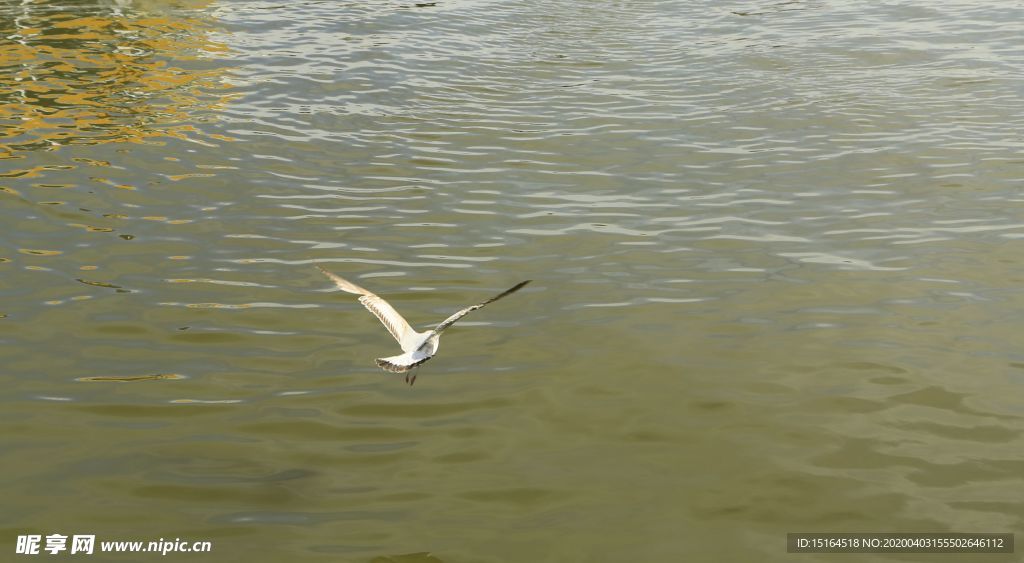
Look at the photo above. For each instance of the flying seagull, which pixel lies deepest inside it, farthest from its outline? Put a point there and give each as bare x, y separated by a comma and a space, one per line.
417, 347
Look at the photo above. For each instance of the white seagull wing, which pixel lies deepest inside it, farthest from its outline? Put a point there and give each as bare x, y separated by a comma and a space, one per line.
451, 320
389, 317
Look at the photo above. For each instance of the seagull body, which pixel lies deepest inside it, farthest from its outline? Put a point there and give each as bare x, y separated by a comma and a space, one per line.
417, 347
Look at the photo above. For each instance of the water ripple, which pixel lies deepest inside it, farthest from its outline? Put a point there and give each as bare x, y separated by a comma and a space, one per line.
784, 235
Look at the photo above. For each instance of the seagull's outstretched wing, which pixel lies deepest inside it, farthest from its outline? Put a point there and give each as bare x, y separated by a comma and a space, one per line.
389, 317
451, 320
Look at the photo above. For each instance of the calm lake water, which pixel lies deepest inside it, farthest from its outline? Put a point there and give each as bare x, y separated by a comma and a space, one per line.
777, 252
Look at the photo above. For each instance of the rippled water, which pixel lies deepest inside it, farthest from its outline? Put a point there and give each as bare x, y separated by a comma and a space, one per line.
777, 252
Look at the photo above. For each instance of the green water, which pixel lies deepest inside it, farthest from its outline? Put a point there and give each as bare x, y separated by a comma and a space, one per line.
776, 252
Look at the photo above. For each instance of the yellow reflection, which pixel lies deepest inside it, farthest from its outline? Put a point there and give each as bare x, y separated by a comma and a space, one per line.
97, 283
104, 72
130, 378
206, 401
40, 252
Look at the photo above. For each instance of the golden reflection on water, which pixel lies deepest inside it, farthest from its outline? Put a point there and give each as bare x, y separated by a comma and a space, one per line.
99, 74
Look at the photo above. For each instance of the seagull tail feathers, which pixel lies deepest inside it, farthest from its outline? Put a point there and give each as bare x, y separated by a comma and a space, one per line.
399, 364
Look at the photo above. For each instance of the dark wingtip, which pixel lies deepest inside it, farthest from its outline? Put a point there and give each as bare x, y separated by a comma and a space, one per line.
508, 291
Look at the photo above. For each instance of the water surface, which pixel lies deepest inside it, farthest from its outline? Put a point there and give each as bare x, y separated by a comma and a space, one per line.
776, 250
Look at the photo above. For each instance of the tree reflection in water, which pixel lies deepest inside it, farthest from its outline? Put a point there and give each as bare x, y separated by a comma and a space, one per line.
98, 72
